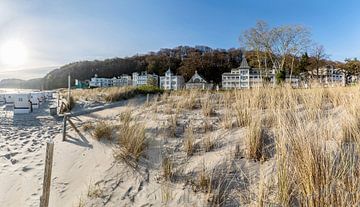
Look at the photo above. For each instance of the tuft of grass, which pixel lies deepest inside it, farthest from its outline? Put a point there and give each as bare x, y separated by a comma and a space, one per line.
227, 120
166, 193
81, 203
204, 180
208, 143
207, 106
254, 140
167, 167
189, 141
103, 130
69, 105
88, 126
132, 141
94, 191
243, 116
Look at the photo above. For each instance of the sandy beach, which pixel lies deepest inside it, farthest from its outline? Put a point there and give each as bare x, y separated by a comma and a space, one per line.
22, 141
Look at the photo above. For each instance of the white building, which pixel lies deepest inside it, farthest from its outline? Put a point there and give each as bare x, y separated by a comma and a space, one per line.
198, 82
171, 82
246, 77
329, 75
97, 82
124, 80
144, 78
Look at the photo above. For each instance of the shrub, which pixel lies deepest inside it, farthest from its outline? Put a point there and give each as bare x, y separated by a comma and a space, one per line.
148, 89
280, 76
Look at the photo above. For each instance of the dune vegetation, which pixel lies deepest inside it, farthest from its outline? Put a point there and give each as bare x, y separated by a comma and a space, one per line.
263, 146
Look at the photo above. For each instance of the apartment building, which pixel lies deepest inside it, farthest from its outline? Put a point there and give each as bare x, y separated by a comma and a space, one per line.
171, 82
329, 75
97, 82
245, 77
124, 80
144, 78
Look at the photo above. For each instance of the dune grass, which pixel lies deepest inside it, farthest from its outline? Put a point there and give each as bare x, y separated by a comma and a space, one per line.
315, 142
102, 130
132, 141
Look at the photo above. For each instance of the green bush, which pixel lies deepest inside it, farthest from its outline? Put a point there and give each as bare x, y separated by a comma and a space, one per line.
280, 76
148, 89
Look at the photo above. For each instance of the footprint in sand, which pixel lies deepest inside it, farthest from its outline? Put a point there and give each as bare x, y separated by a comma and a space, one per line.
26, 168
127, 193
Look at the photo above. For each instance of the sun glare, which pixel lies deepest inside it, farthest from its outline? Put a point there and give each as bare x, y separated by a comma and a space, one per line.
13, 53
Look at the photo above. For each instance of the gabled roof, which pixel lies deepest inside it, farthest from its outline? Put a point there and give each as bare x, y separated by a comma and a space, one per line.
169, 72
244, 64
196, 78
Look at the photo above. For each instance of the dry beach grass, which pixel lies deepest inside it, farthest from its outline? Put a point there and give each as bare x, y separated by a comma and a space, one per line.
259, 147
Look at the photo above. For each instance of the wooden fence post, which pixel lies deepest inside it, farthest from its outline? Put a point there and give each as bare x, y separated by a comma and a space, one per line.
73, 125
64, 128
44, 199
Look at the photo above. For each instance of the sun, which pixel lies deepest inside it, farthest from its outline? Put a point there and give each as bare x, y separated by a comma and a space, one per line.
13, 53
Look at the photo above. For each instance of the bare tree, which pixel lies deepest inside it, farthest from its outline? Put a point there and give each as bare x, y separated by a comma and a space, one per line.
254, 39
318, 52
276, 43
299, 45
288, 41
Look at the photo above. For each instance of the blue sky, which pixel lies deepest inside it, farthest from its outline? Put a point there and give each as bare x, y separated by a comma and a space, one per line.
57, 32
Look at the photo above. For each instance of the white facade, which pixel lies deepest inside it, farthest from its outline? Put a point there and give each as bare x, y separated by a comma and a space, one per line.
144, 79
171, 82
97, 82
329, 75
124, 80
245, 77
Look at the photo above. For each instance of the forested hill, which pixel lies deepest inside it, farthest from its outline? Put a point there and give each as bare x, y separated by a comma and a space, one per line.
183, 60
26, 84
